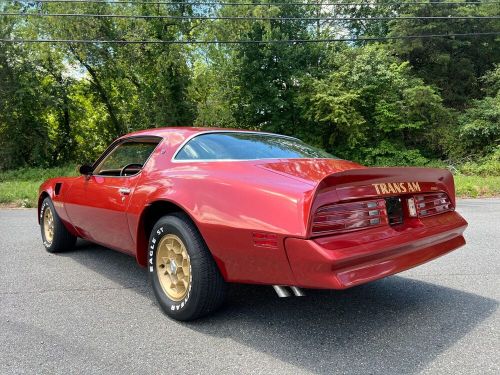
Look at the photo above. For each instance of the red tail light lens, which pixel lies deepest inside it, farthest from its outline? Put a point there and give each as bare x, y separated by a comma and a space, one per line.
346, 217
432, 204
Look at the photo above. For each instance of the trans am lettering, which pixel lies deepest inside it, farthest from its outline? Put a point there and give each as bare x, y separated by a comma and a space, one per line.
397, 187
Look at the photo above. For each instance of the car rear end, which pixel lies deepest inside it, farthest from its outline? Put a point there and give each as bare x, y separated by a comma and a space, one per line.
369, 223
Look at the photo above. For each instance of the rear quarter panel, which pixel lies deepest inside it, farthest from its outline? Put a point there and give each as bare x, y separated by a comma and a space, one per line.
229, 203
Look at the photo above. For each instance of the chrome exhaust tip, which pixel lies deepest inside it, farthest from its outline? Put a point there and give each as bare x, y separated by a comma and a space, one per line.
281, 291
284, 291
297, 291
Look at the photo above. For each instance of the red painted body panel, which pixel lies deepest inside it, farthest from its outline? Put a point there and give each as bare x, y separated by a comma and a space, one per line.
48, 189
346, 260
93, 203
231, 201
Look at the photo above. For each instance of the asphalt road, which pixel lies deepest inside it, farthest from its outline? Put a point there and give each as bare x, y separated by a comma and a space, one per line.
91, 311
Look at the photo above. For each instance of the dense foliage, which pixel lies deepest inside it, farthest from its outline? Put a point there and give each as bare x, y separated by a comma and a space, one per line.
396, 101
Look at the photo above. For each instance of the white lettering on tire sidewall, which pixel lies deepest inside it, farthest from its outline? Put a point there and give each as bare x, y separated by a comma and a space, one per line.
175, 305
45, 205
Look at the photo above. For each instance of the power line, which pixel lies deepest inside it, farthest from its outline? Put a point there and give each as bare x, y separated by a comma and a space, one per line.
196, 3
285, 41
249, 18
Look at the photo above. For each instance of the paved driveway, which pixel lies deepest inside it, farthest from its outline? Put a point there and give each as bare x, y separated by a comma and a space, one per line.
91, 311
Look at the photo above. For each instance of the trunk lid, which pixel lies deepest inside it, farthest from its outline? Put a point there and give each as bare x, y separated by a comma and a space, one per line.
347, 185
339, 180
311, 171
383, 182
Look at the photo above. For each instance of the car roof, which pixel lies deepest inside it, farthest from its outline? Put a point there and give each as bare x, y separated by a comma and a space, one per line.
184, 131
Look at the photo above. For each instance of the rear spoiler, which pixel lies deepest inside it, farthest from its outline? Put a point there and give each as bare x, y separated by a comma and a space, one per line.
380, 182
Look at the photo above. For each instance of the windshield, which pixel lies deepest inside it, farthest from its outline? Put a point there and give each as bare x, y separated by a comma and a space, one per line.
246, 146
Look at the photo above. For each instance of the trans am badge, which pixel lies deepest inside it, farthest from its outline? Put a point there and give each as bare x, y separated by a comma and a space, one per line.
397, 187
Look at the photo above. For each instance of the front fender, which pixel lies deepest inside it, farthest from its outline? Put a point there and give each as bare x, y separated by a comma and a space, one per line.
55, 188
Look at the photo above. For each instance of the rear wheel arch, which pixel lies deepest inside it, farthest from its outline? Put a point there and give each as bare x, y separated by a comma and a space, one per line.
149, 216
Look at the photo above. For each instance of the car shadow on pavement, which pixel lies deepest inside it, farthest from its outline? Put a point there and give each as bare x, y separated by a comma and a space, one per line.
394, 325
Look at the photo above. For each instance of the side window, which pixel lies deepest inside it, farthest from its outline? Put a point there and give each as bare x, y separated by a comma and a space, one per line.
131, 155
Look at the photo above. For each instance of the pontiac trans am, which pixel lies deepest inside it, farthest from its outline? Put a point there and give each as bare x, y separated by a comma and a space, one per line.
204, 207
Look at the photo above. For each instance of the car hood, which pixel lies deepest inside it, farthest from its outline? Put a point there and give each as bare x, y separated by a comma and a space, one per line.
309, 170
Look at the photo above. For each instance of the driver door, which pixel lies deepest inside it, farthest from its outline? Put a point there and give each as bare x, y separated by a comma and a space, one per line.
97, 204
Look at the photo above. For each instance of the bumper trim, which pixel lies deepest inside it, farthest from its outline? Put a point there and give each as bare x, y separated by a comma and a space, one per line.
315, 266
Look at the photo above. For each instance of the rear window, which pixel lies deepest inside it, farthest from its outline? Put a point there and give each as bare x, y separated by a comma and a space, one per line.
246, 146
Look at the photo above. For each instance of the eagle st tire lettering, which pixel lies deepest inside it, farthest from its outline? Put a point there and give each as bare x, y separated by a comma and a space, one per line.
155, 239
45, 205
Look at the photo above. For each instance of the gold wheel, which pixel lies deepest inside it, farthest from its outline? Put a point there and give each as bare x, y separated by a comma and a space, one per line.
48, 225
173, 267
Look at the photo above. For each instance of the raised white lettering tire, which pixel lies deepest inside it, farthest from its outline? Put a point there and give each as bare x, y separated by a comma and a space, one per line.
55, 236
185, 279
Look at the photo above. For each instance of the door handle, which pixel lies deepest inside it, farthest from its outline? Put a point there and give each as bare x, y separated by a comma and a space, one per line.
124, 191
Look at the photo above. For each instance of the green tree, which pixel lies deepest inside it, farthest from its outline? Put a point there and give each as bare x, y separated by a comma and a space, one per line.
371, 107
24, 95
479, 132
399, 102
265, 79
454, 65
212, 95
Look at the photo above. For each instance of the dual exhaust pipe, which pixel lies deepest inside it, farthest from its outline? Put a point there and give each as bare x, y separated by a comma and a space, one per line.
284, 291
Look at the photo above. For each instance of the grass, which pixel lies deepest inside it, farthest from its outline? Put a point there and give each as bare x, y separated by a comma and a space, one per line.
477, 186
19, 188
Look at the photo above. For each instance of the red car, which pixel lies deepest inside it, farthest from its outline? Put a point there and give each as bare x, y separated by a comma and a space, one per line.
201, 208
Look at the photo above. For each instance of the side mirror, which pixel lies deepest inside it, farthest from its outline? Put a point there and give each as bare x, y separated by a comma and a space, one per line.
85, 169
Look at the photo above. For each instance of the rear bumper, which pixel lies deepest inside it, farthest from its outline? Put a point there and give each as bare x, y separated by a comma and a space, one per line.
343, 261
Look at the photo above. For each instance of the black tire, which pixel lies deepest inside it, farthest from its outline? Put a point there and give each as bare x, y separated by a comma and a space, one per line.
62, 240
207, 288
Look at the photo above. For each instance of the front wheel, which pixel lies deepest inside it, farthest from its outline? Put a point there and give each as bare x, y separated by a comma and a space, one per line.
55, 236
184, 276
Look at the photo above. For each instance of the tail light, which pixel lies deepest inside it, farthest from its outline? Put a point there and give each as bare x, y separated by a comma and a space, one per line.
432, 204
346, 217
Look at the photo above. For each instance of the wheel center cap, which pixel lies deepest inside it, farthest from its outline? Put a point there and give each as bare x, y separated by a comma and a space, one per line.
173, 267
